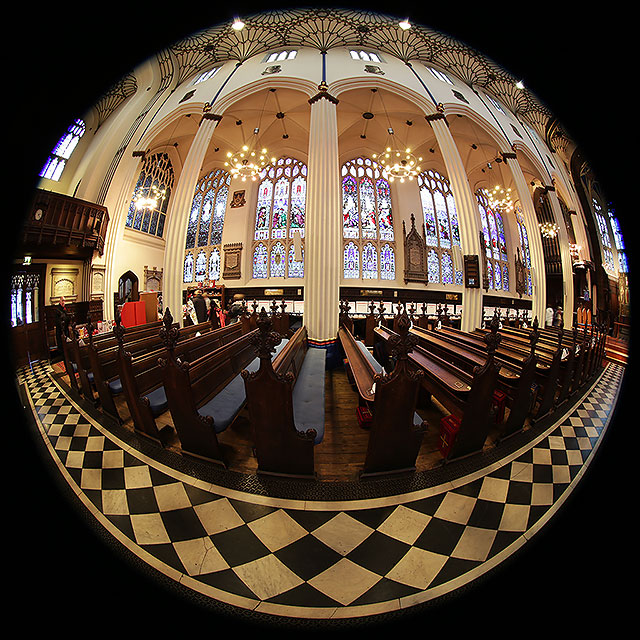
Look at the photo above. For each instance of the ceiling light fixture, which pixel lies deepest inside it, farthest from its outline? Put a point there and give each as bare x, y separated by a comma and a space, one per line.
397, 161
500, 198
237, 25
549, 229
405, 24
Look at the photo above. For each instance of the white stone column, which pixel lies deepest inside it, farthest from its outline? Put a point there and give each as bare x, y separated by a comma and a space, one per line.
538, 281
179, 207
322, 260
468, 217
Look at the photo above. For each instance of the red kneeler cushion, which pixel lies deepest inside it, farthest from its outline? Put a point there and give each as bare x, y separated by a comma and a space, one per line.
449, 426
364, 417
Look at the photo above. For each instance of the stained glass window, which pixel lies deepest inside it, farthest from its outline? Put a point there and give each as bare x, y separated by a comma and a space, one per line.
57, 159
278, 261
201, 266
605, 238
433, 266
188, 268
205, 223
214, 264
367, 221
369, 261
387, 263
296, 267
623, 265
260, 261
495, 245
280, 216
524, 247
441, 226
155, 183
351, 261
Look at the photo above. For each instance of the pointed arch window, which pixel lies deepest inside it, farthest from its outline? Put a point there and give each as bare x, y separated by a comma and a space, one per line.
260, 261
187, 272
205, 224
605, 238
280, 220
495, 245
441, 227
57, 159
155, 181
524, 247
367, 221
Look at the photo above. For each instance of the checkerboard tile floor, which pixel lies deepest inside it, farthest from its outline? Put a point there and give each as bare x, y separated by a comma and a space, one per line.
317, 560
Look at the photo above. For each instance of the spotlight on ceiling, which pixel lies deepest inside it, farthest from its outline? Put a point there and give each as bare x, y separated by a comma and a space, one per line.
405, 24
237, 24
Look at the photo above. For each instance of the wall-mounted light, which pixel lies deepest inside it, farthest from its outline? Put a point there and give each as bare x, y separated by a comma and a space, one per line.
405, 24
237, 24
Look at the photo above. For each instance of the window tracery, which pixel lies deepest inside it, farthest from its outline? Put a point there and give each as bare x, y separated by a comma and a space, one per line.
495, 245
155, 177
278, 250
441, 227
367, 222
57, 159
204, 227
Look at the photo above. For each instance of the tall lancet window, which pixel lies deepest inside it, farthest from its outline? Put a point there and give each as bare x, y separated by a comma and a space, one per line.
148, 207
605, 238
495, 245
57, 159
441, 227
203, 245
367, 222
524, 248
278, 248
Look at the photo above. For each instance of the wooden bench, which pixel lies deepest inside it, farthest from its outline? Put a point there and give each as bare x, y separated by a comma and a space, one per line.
206, 394
142, 380
285, 399
396, 430
103, 354
515, 378
467, 396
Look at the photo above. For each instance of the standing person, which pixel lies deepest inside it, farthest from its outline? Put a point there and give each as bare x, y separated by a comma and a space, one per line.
236, 308
63, 318
548, 321
200, 306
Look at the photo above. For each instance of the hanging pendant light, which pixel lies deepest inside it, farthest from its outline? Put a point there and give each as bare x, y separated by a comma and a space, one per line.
397, 161
251, 158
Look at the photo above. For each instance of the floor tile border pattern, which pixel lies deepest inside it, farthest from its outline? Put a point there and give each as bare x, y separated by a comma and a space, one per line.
264, 581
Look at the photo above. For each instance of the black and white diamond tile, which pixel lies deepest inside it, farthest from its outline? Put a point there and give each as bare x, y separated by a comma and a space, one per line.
317, 560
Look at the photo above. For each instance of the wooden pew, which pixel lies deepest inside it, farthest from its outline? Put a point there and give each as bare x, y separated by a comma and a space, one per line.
515, 379
206, 394
103, 354
141, 377
396, 430
467, 396
285, 399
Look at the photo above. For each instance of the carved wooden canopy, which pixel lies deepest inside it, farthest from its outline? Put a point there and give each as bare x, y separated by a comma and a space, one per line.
415, 254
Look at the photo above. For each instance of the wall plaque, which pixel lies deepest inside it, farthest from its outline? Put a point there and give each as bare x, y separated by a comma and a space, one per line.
471, 272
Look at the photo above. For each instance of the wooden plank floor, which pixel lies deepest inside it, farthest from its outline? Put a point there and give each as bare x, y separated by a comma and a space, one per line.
340, 457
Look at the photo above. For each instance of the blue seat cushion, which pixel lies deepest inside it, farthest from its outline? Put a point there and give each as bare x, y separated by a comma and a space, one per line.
115, 386
227, 403
308, 394
376, 365
158, 401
